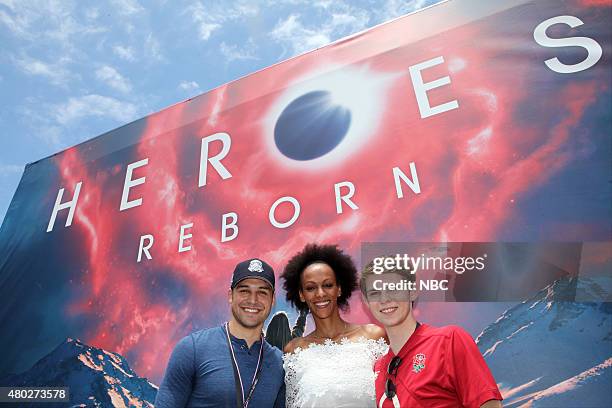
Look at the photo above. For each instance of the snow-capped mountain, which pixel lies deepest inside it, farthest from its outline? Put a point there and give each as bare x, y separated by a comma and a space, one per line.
550, 353
96, 377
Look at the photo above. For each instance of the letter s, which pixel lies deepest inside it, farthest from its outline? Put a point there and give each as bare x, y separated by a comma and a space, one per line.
594, 50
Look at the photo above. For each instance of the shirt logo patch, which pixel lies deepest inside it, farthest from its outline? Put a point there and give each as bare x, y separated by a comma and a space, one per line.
418, 363
255, 266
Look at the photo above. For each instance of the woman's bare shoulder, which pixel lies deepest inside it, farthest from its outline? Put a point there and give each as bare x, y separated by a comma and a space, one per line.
298, 342
374, 332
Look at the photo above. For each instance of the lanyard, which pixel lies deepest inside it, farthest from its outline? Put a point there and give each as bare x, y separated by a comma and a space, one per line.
394, 400
243, 401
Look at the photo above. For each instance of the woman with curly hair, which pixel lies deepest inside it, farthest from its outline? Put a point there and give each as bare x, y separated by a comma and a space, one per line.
332, 365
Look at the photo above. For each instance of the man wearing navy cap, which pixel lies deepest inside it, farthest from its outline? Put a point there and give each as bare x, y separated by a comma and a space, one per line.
230, 365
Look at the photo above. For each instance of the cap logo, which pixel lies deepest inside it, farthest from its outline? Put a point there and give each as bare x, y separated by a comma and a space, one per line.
255, 266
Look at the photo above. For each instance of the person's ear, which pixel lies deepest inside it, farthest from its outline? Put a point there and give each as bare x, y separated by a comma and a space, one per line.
229, 296
302, 299
339, 291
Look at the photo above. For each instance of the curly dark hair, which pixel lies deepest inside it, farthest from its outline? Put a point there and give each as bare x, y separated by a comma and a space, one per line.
341, 263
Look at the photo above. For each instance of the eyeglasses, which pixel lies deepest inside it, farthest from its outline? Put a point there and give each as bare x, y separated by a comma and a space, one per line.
390, 389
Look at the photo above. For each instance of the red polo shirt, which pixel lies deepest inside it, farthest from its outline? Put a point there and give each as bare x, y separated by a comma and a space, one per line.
441, 367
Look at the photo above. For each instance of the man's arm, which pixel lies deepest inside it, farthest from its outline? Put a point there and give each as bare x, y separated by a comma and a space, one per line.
472, 379
280, 397
176, 387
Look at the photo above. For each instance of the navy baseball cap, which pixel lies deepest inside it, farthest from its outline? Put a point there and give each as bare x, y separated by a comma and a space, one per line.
253, 268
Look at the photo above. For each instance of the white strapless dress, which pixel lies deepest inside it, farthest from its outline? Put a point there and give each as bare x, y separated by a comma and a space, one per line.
333, 374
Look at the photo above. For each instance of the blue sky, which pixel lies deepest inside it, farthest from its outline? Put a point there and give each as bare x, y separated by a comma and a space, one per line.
71, 70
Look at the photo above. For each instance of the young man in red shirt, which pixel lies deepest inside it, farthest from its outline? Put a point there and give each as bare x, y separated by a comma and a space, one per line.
426, 366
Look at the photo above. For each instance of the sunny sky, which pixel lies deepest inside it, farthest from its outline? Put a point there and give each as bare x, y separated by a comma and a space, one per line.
71, 70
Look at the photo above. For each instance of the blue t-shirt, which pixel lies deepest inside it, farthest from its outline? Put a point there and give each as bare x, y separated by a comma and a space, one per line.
200, 373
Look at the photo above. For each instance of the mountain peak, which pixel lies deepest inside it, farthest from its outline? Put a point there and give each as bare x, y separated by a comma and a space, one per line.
96, 377
557, 338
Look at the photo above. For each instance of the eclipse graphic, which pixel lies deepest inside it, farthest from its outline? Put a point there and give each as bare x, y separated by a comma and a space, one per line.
311, 126
324, 117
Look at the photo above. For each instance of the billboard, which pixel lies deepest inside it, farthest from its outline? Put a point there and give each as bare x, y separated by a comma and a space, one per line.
470, 121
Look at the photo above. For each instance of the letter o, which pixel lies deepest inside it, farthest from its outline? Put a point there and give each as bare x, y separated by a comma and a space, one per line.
296, 212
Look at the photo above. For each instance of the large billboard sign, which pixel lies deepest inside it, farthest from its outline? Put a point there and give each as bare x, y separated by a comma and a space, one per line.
470, 121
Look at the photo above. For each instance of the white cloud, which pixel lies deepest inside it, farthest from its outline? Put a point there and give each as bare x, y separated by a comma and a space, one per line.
10, 169
189, 86
59, 125
36, 67
354, 22
35, 116
92, 13
77, 108
206, 29
56, 73
232, 52
323, 21
114, 79
125, 53
300, 38
66, 29
202, 20
48, 22
127, 7
211, 17
17, 24
324, 4
240, 10
396, 8
152, 48
53, 135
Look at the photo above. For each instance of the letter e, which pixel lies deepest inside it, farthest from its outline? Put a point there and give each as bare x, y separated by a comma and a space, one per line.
421, 88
